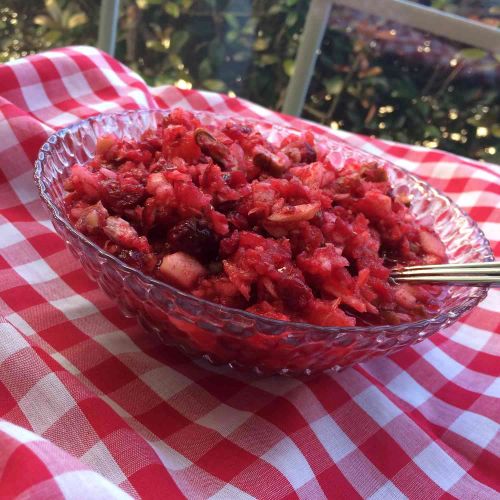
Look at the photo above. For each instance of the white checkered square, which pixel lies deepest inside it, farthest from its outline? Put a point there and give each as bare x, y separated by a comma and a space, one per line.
492, 300
332, 437
473, 338
290, 461
388, 491
165, 381
378, 406
491, 231
18, 433
476, 428
169, 457
443, 363
494, 389
20, 324
9, 139
35, 272
99, 458
230, 492
48, 225
24, 187
224, 419
46, 402
439, 466
409, 390
35, 96
61, 119
74, 307
9, 235
117, 342
11, 341
77, 86
277, 385
75, 485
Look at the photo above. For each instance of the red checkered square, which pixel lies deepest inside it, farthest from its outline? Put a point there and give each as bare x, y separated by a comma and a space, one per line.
268, 481
193, 441
378, 447
162, 420
14, 480
226, 460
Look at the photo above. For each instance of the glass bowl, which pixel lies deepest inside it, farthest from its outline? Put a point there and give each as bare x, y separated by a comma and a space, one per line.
224, 335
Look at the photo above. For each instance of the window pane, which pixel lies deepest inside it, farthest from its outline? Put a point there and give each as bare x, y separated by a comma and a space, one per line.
388, 80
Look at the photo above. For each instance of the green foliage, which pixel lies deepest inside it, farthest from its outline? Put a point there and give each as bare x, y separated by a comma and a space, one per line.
30, 27
249, 48
59, 21
244, 47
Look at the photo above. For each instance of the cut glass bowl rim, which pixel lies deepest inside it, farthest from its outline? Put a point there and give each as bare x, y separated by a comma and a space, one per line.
479, 292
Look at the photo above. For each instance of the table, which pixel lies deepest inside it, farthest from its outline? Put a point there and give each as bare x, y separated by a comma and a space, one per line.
93, 407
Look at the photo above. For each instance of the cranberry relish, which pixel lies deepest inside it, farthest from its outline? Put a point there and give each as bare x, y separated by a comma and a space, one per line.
275, 229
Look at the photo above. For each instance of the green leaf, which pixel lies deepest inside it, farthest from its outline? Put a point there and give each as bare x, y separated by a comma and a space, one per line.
275, 9
232, 36
288, 67
216, 52
174, 59
186, 4
178, 40
472, 121
232, 21
423, 108
144, 4
66, 14
261, 44
43, 20
431, 131
250, 26
52, 36
53, 9
400, 121
291, 19
439, 4
205, 69
495, 130
267, 59
172, 9
379, 82
214, 85
155, 45
472, 54
241, 56
77, 20
334, 85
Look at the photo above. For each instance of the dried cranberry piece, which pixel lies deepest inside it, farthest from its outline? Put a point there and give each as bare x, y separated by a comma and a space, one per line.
118, 196
194, 237
294, 293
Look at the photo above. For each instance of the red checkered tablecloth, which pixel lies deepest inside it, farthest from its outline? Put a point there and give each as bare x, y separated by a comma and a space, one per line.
93, 407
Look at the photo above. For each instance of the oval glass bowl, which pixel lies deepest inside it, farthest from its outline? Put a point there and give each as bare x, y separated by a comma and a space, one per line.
231, 336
